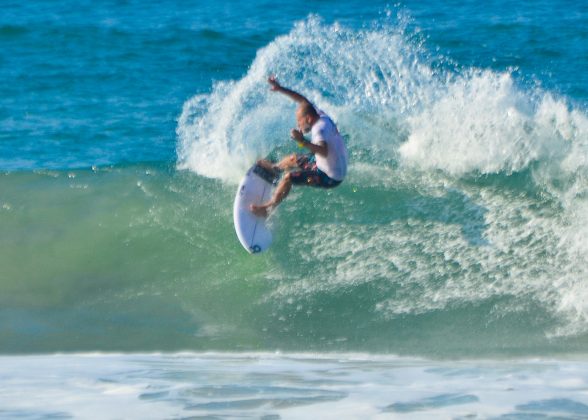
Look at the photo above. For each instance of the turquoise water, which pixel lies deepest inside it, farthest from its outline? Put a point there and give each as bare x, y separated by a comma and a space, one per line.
459, 232
445, 278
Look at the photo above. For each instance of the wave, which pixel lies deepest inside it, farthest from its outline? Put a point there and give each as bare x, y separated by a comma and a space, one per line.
498, 168
389, 98
460, 229
357, 76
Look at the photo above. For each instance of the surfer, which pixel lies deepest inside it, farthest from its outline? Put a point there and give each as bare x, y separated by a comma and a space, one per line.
324, 166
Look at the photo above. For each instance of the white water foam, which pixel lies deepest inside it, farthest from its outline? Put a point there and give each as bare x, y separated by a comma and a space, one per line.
484, 123
388, 99
356, 76
287, 386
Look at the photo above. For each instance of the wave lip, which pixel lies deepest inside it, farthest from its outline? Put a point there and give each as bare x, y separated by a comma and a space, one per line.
484, 123
353, 75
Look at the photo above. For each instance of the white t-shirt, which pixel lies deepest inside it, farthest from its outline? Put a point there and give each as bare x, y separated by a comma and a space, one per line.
335, 163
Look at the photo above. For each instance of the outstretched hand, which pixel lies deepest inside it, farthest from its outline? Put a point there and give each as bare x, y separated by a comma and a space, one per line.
275, 85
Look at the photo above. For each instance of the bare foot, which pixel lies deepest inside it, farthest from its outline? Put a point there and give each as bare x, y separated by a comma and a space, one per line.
261, 211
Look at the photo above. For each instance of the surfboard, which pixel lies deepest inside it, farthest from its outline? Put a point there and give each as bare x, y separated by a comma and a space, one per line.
256, 187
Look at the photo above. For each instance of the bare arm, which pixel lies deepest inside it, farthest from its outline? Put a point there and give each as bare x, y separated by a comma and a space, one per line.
320, 149
276, 87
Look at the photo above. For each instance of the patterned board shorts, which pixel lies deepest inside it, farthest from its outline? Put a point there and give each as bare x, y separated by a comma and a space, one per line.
310, 175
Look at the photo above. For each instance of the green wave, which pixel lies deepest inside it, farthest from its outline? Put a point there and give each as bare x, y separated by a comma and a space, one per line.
144, 258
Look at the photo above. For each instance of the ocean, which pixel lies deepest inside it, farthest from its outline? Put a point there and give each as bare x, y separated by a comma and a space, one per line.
445, 277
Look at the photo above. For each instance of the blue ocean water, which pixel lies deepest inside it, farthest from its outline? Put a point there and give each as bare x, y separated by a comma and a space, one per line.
103, 83
459, 233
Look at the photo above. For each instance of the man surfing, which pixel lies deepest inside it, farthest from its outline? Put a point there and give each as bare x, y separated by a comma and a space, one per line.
325, 166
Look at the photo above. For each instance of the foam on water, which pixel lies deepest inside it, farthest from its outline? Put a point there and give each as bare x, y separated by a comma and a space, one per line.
288, 386
484, 123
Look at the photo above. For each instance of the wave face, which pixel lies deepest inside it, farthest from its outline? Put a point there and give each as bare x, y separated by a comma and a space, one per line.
465, 205
460, 230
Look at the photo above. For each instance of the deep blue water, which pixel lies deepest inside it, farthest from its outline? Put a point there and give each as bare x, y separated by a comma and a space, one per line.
103, 82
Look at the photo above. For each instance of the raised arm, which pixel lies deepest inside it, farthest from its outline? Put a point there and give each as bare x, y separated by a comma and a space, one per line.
276, 87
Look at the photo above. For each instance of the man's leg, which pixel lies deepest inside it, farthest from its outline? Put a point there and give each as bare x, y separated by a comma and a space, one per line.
304, 177
281, 192
289, 162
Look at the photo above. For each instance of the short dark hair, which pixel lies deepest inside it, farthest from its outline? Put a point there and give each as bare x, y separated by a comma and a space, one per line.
306, 108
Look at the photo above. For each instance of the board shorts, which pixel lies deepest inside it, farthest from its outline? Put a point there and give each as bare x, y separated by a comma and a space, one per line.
310, 175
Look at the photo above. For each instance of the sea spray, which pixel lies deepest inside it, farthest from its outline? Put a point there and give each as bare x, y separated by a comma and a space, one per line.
354, 75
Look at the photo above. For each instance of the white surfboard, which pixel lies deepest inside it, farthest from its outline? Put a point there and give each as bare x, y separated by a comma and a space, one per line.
256, 188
